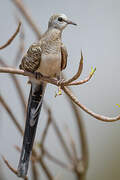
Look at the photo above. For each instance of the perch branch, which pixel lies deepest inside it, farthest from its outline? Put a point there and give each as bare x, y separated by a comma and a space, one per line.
65, 89
12, 37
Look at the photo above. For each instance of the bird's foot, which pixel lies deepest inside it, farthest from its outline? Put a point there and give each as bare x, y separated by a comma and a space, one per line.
59, 82
38, 75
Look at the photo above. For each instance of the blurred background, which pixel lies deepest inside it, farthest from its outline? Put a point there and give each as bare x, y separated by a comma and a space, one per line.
98, 35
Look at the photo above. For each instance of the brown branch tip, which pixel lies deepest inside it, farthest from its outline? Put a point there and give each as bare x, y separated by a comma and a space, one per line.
12, 37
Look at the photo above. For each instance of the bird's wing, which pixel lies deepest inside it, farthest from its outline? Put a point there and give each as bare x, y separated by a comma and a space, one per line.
31, 60
64, 56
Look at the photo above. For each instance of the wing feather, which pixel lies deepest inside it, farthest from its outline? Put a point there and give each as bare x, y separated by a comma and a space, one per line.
31, 60
64, 56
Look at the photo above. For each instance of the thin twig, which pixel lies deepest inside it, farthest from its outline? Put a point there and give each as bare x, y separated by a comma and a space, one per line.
18, 87
57, 161
45, 168
95, 115
21, 47
75, 83
46, 128
82, 136
11, 168
82, 164
62, 141
72, 143
59, 134
65, 89
27, 16
77, 75
12, 37
35, 171
7, 108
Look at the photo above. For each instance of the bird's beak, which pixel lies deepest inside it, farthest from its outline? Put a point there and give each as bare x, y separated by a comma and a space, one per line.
69, 22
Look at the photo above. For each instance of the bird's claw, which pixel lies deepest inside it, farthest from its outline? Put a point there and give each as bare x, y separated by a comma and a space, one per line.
59, 82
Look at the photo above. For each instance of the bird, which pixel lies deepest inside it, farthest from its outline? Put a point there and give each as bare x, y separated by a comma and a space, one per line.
47, 57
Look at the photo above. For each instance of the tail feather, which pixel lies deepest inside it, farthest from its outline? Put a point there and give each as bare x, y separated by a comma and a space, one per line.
33, 111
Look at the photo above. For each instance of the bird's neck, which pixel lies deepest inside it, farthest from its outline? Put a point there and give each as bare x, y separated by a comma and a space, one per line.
53, 34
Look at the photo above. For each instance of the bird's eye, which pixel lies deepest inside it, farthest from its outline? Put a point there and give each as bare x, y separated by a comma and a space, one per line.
60, 19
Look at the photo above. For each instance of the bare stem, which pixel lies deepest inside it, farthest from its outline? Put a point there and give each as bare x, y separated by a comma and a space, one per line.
11, 168
19, 4
77, 75
95, 115
57, 161
45, 168
18, 87
56, 128
65, 89
12, 37
2, 101
34, 171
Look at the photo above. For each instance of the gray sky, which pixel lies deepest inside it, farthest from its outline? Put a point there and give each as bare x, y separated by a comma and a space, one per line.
98, 37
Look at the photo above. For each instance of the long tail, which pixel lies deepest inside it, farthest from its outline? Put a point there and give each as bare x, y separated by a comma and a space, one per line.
33, 111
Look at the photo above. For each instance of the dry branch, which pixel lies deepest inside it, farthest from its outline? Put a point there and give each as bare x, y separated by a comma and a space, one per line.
95, 115
12, 37
59, 134
57, 161
46, 169
65, 89
72, 144
18, 87
82, 136
11, 168
20, 48
77, 75
35, 171
7, 108
27, 16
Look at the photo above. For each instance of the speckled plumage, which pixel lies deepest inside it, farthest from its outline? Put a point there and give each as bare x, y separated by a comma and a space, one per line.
49, 57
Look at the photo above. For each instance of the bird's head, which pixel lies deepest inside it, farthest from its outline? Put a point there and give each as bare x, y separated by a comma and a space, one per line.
59, 21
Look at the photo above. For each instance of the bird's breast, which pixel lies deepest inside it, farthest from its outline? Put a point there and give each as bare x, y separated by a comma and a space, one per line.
50, 64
